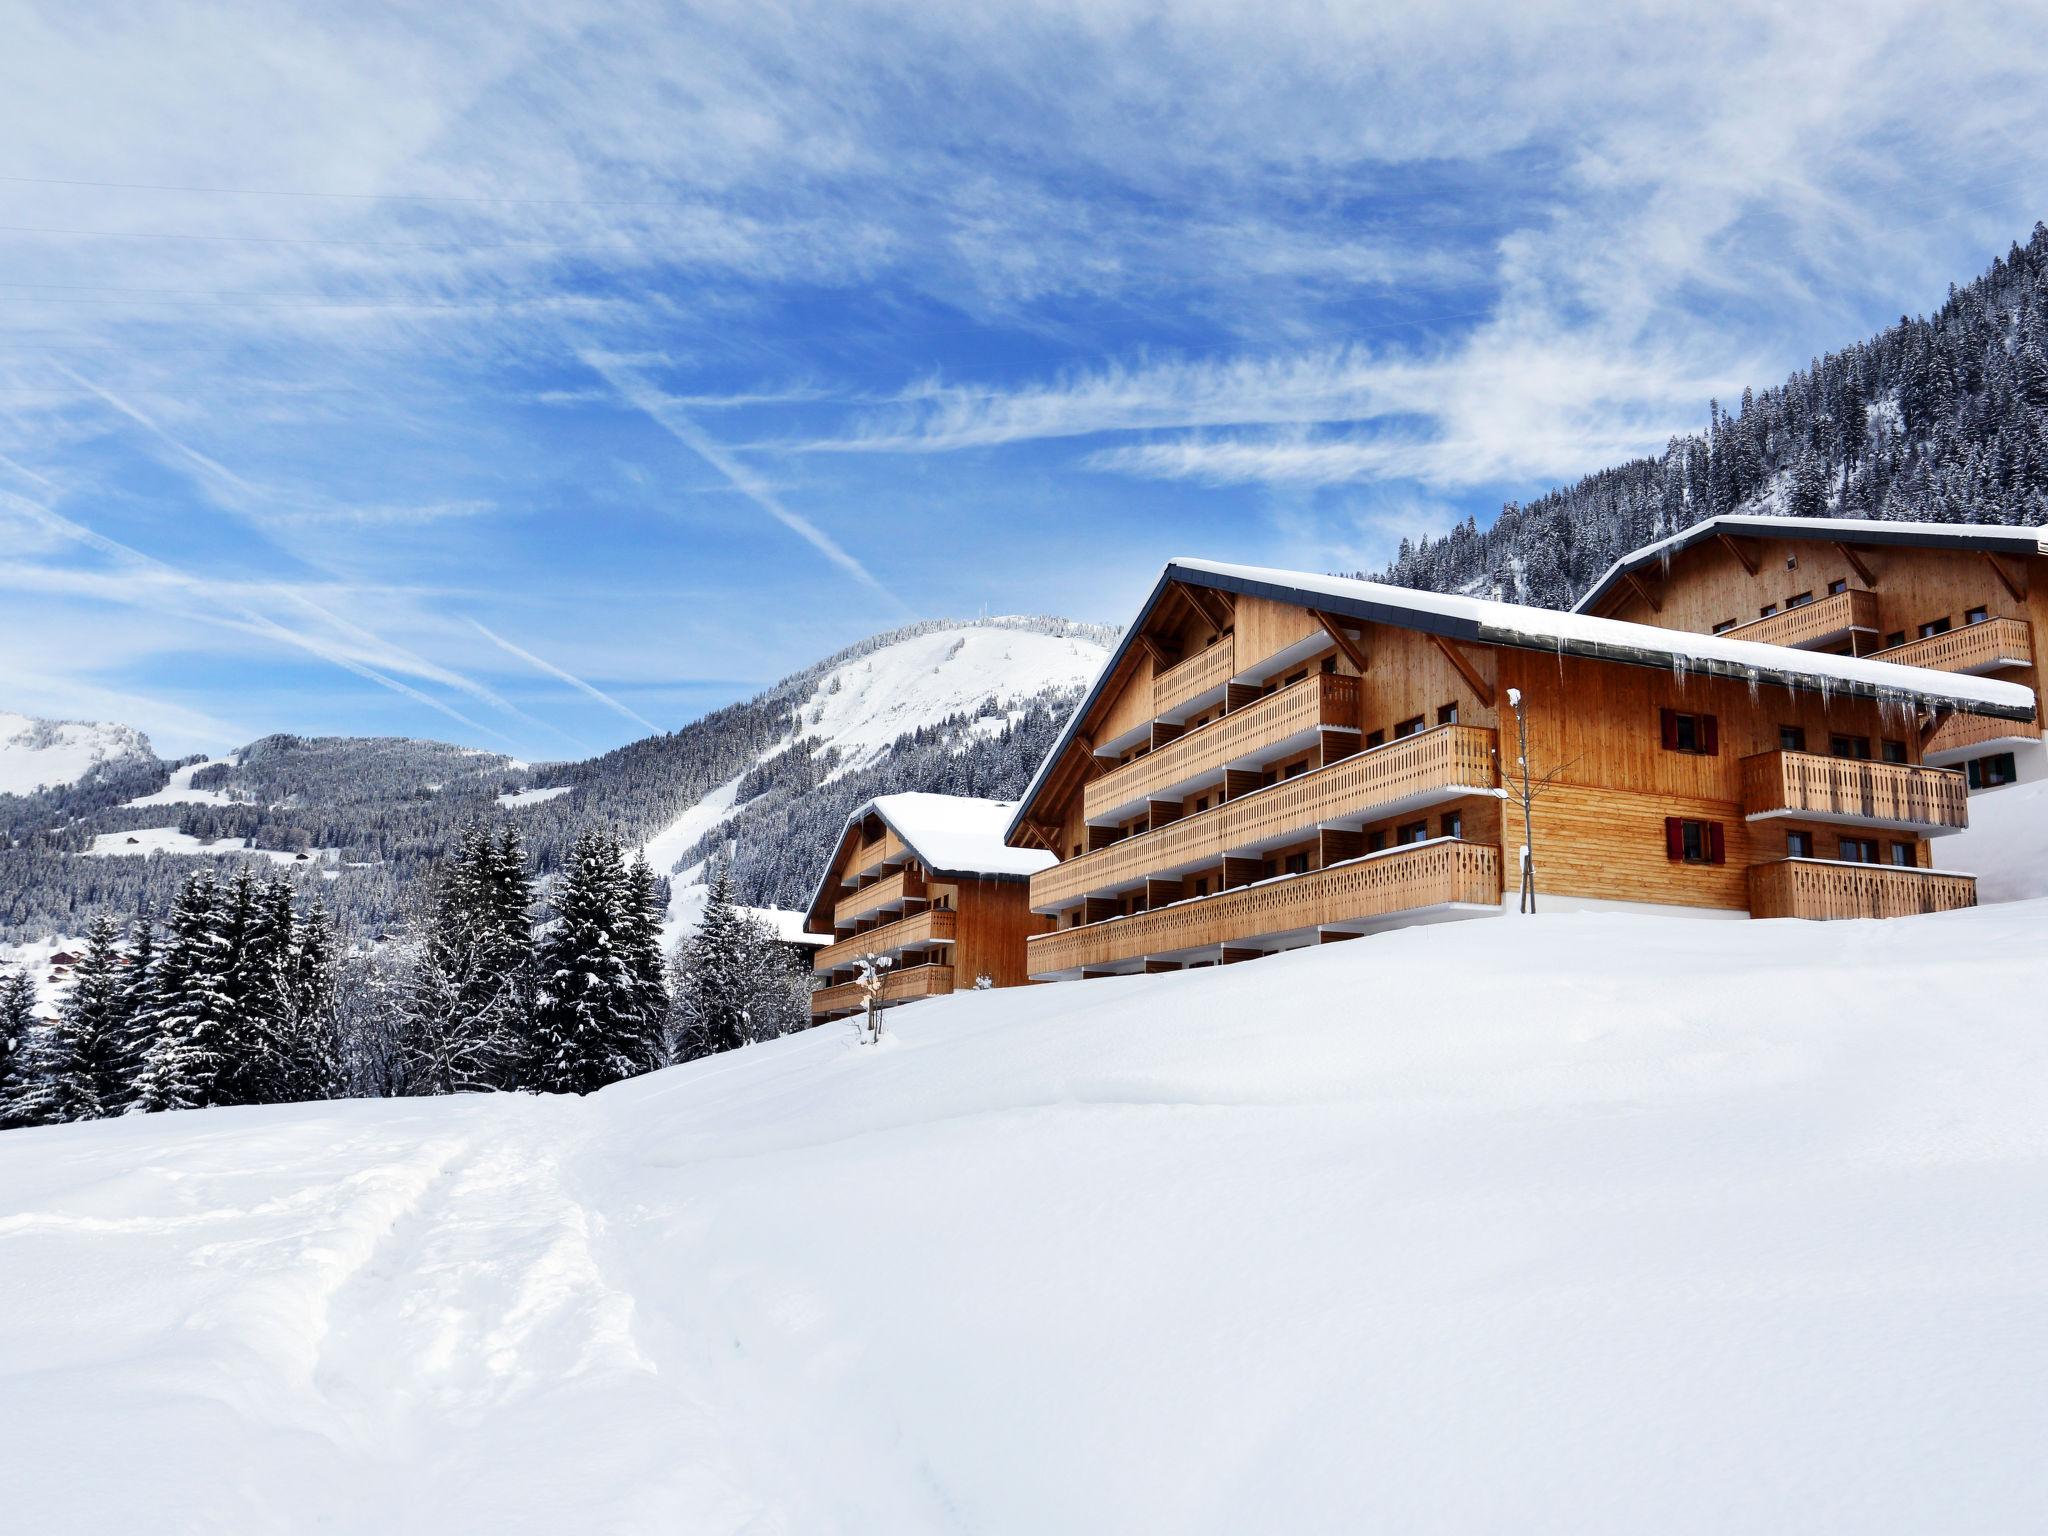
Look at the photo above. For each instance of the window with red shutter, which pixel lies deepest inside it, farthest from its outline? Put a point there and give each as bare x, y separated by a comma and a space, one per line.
1710, 735
1674, 836
1716, 843
1668, 718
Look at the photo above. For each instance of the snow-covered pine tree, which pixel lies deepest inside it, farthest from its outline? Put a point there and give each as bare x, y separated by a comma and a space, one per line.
17, 1025
591, 1024
470, 973
310, 1040
135, 1017
74, 1058
195, 1011
716, 976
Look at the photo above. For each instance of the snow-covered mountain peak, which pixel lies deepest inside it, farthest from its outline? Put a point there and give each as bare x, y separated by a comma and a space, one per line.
45, 754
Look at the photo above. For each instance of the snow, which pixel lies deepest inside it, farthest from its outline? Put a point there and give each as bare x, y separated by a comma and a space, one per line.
34, 956
46, 754
1411, 1233
955, 834
2006, 844
142, 841
535, 796
179, 790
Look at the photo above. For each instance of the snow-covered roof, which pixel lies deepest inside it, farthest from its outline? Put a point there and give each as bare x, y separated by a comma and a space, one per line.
1457, 617
1989, 538
955, 836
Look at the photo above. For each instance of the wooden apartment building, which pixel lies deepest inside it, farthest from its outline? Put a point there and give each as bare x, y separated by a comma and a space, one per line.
1272, 759
928, 881
1959, 597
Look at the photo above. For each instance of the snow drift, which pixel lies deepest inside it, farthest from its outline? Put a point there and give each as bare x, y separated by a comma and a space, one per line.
1588, 1224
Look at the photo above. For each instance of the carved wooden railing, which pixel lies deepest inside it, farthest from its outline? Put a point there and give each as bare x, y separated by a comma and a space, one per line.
899, 987
1445, 762
1853, 789
1822, 619
1210, 667
889, 891
934, 925
1314, 701
1408, 879
1820, 888
1958, 733
1984, 647
870, 856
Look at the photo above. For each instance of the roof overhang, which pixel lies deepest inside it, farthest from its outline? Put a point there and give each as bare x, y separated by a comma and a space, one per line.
860, 813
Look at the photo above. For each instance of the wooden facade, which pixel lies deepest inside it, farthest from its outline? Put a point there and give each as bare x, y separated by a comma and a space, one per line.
1955, 598
1272, 761
941, 928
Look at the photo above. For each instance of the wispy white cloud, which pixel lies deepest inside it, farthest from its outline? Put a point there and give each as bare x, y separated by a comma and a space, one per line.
564, 675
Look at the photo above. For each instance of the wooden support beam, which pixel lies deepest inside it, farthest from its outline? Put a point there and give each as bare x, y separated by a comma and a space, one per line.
1857, 564
1929, 725
1353, 648
1747, 560
1645, 593
2013, 588
1480, 687
1204, 602
1154, 649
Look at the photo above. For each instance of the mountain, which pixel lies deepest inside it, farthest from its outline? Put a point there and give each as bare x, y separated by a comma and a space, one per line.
940, 705
1942, 419
1482, 1227
54, 754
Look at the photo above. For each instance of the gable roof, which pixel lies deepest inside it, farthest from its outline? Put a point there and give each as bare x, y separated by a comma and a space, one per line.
1977, 538
1456, 617
955, 837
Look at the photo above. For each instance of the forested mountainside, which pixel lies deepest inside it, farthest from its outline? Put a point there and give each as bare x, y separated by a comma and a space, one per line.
1941, 419
935, 705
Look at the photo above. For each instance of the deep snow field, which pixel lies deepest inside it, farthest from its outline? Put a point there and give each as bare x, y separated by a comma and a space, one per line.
1571, 1224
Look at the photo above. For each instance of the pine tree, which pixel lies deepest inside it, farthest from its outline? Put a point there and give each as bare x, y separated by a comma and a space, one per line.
135, 1018
72, 1057
17, 1030
468, 997
591, 1024
310, 1043
715, 977
195, 1010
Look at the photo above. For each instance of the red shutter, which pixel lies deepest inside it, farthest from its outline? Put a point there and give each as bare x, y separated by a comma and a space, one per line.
1669, 719
1674, 834
1710, 736
1717, 845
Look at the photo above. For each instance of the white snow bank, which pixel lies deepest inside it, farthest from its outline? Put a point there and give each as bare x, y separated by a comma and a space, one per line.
1476, 1229
2006, 844
958, 833
535, 796
143, 841
46, 754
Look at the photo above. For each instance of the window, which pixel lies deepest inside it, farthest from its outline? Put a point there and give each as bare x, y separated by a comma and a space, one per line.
1140, 825
1837, 587
1798, 845
1293, 768
1896, 637
1791, 738
1905, 855
1798, 600
1858, 850
1268, 868
1694, 842
1329, 666
1294, 677
1409, 728
1297, 864
1976, 616
1894, 751
1724, 626
1447, 714
1683, 732
1375, 842
1414, 832
1452, 824
1767, 610
1857, 747
1990, 772
1202, 803
1202, 885
1077, 850
1934, 627
1375, 739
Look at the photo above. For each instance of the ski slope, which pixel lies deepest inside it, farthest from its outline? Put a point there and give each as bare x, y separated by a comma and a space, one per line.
47, 754
179, 790
1586, 1224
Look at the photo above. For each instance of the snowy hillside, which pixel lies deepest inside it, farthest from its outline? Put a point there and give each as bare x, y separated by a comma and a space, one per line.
1442, 1230
46, 754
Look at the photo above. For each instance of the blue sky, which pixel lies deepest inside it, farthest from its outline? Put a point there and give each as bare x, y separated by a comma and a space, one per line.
526, 376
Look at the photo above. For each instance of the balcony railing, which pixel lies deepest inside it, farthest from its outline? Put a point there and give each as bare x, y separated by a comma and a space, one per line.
1815, 623
1989, 646
934, 925
1443, 873
1854, 792
1821, 888
1207, 669
1959, 735
1308, 705
889, 891
1437, 765
871, 856
899, 987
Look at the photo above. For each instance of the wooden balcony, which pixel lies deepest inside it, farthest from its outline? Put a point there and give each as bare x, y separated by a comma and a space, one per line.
888, 892
900, 987
934, 925
1206, 670
1437, 765
1990, 646
1965, 736
1854, 792
1823, 621
1437, 876
1233, 739
869, 857
1821, 888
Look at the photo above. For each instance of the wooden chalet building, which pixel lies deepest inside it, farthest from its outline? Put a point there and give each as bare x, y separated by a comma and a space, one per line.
1959, 597
1273, 758
928, 881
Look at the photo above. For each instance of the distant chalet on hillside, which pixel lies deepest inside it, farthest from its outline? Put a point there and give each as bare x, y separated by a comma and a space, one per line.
928, 881
1273, 759
1957, 597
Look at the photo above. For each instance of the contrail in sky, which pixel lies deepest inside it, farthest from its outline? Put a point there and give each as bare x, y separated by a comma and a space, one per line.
566, 676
